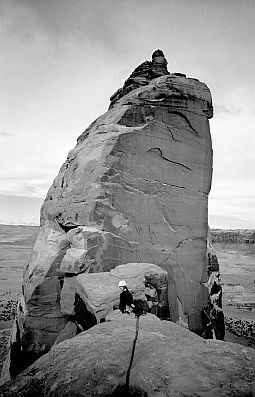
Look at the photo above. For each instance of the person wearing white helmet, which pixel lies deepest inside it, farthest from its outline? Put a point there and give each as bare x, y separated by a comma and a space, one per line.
126, 298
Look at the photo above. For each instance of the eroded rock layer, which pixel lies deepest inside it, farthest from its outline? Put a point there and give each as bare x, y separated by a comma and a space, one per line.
134, 189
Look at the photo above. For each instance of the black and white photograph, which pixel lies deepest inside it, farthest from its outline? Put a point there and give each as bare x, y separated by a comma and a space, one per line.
127, 198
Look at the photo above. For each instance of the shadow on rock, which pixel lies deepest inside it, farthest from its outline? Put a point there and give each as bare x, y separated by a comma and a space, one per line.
120, 391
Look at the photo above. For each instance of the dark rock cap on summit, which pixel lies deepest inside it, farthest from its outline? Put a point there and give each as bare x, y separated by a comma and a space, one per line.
142, 75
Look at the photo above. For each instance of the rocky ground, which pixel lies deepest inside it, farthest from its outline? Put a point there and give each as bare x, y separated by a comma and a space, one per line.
8, 303
168, 361
241, 329
237, 272
4, 337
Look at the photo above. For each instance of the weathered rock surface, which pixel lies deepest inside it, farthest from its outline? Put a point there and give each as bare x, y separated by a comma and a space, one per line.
242, 328
85, 300
168, 361
146, 282
142, 75
133, 190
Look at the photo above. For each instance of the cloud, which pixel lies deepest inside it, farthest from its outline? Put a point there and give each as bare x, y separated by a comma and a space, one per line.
224, 222
218, 109
63, 59
31, 189
61, 21
233, 200
20, 209
5, 134
24, 182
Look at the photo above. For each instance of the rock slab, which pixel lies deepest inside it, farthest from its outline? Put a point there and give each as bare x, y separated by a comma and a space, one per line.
168, 361
146, 282
86, 300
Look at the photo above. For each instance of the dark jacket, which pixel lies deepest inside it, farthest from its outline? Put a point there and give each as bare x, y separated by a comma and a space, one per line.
214, 290
207, 323
126, 299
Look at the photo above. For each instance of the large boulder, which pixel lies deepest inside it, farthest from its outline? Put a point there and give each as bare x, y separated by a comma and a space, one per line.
147, 282
168, 361
133, 190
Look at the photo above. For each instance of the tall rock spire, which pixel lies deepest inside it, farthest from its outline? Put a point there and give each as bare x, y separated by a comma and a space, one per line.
133, 190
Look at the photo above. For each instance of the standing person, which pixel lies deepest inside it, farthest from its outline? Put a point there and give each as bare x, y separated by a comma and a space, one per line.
207, 322
216, 291
212, 316
217, 317
126, 298
217, 314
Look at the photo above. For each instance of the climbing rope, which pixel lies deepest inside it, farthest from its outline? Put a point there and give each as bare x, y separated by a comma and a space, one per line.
141, 308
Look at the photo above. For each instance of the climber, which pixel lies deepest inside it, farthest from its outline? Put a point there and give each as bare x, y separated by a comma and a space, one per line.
216, 291
217, 314
212, 315
126, 298
218, 323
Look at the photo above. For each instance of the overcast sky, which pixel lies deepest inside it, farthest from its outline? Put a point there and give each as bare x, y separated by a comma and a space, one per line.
63, 59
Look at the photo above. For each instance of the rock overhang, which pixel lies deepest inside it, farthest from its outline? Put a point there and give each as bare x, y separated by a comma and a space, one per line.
166, 88
172, 91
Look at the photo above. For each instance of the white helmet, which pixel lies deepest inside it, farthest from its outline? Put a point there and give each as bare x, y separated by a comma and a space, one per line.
122, 283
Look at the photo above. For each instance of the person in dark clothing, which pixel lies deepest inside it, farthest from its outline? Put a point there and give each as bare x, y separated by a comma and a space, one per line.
126, 298
217, 317
216, 292
207, 323
212, 316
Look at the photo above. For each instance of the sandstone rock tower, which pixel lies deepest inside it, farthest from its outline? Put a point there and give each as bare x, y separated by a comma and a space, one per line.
134, 189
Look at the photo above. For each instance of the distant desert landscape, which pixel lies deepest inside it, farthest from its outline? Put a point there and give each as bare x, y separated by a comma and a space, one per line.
16, 243
236, 257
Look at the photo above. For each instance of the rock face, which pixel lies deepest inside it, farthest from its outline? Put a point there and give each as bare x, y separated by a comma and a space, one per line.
145, 281
142, 75
133, 190
85, 300
168, 361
